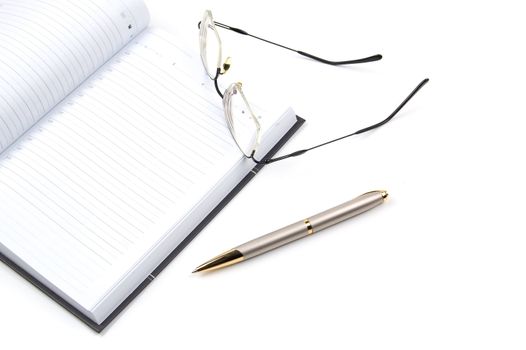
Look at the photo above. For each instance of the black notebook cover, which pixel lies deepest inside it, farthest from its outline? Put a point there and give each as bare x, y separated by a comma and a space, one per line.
99, 328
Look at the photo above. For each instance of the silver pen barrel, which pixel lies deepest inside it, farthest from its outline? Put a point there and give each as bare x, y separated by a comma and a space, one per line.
311, 225
295, 231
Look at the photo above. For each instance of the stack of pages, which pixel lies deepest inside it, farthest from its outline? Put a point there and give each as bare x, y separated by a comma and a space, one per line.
114, 150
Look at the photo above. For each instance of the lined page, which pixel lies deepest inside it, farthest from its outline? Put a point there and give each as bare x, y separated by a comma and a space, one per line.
99, 181
49, 47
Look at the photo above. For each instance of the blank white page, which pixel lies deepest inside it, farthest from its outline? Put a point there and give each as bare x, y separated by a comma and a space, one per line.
49, 47
99, 182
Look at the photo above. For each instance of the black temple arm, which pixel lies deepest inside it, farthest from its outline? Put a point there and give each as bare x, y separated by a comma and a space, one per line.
340, 63
361, 131
303, 53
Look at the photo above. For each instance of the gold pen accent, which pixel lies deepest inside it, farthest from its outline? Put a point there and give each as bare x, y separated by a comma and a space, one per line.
310, 230
296, 231
228, 258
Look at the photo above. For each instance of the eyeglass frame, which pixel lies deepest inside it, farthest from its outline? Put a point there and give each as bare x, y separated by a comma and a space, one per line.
234, 88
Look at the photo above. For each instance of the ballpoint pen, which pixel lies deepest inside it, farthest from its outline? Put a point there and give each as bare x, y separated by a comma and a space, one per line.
295, 231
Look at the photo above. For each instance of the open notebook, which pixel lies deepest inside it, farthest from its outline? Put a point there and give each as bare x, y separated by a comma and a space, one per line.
114, 151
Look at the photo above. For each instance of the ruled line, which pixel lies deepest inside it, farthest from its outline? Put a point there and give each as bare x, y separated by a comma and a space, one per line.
119, 156
52, 47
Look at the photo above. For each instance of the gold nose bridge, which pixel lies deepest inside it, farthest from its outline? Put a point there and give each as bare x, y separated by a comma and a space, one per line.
226, 65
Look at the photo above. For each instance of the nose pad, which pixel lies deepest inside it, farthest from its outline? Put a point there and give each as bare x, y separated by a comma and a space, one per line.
226, 65
236, 90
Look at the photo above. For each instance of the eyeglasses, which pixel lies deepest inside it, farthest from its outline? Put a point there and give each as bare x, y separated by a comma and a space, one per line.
241, 120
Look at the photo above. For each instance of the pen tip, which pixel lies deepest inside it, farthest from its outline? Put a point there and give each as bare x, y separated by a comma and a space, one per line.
198, 269
230, 257
384, 194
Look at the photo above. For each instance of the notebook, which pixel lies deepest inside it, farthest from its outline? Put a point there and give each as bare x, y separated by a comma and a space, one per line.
114, 151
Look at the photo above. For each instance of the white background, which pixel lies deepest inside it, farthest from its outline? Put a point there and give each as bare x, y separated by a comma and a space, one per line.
440, 265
